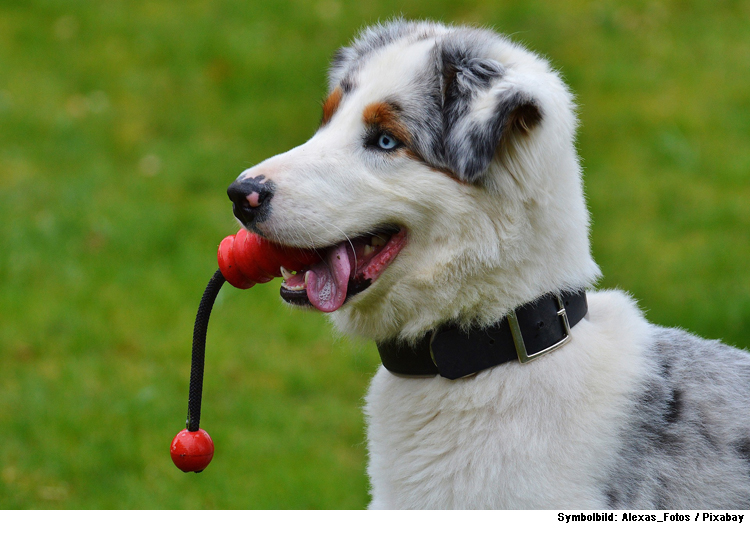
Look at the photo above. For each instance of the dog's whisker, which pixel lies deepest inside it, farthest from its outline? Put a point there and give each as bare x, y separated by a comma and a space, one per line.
346, 236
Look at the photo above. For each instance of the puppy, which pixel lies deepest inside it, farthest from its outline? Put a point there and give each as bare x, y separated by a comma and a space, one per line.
443, 194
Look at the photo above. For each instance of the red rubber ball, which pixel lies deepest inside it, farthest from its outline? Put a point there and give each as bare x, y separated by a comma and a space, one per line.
192, 451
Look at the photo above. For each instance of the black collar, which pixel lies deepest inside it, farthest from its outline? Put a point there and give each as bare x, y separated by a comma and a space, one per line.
528, 332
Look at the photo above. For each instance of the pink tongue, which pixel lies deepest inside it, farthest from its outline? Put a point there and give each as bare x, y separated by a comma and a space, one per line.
327, 281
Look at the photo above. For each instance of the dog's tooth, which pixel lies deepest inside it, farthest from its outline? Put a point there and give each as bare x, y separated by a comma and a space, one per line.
285, 273
292, 288
377, 241
368, 250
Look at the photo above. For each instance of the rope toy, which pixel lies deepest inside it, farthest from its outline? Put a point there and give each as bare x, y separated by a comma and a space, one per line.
245, 259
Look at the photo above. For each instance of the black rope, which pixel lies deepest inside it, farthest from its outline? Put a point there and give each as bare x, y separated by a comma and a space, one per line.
199, 350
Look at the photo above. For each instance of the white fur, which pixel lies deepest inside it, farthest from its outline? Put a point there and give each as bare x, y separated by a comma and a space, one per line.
475, 272
541, 435
517, 436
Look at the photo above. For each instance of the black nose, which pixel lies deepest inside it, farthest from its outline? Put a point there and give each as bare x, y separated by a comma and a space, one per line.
250, 198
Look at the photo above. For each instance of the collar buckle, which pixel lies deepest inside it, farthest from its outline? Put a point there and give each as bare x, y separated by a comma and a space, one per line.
540, 326
515, 329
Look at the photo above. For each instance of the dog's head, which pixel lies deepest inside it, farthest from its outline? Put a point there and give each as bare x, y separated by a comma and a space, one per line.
442, 183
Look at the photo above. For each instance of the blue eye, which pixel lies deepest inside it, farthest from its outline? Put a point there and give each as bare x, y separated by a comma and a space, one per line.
386, 141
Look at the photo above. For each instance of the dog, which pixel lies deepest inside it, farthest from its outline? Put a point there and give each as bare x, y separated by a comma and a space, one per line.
443, 193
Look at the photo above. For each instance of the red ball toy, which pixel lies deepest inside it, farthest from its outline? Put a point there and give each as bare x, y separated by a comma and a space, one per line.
192, 451
246, 259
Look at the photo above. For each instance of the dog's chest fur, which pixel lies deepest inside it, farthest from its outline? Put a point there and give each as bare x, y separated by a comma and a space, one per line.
611, 420
516, 436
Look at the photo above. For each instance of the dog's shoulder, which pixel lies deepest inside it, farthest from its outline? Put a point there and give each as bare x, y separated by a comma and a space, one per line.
687, 441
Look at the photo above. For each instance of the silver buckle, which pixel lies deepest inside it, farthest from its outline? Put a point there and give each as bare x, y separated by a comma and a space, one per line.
515, 329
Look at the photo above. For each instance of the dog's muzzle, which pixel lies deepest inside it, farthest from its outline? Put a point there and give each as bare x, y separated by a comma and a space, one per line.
251, 198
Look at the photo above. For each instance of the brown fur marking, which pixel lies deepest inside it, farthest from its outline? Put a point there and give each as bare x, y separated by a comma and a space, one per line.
445, 171
331, 104
384, 116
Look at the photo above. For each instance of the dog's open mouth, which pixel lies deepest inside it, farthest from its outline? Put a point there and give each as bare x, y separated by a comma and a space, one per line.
344, 270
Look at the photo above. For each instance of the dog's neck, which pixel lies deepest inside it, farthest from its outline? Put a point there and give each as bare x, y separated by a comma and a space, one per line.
528, 332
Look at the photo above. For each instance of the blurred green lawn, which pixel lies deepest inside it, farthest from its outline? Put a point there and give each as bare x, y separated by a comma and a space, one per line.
122, 123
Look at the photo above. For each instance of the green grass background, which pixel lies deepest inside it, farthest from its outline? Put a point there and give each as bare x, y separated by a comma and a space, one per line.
123, 122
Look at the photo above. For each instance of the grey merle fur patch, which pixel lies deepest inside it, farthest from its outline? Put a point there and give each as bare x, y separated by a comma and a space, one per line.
438, 110
690, 420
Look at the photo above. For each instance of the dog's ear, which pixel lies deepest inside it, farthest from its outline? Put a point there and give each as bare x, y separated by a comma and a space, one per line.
481, 112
